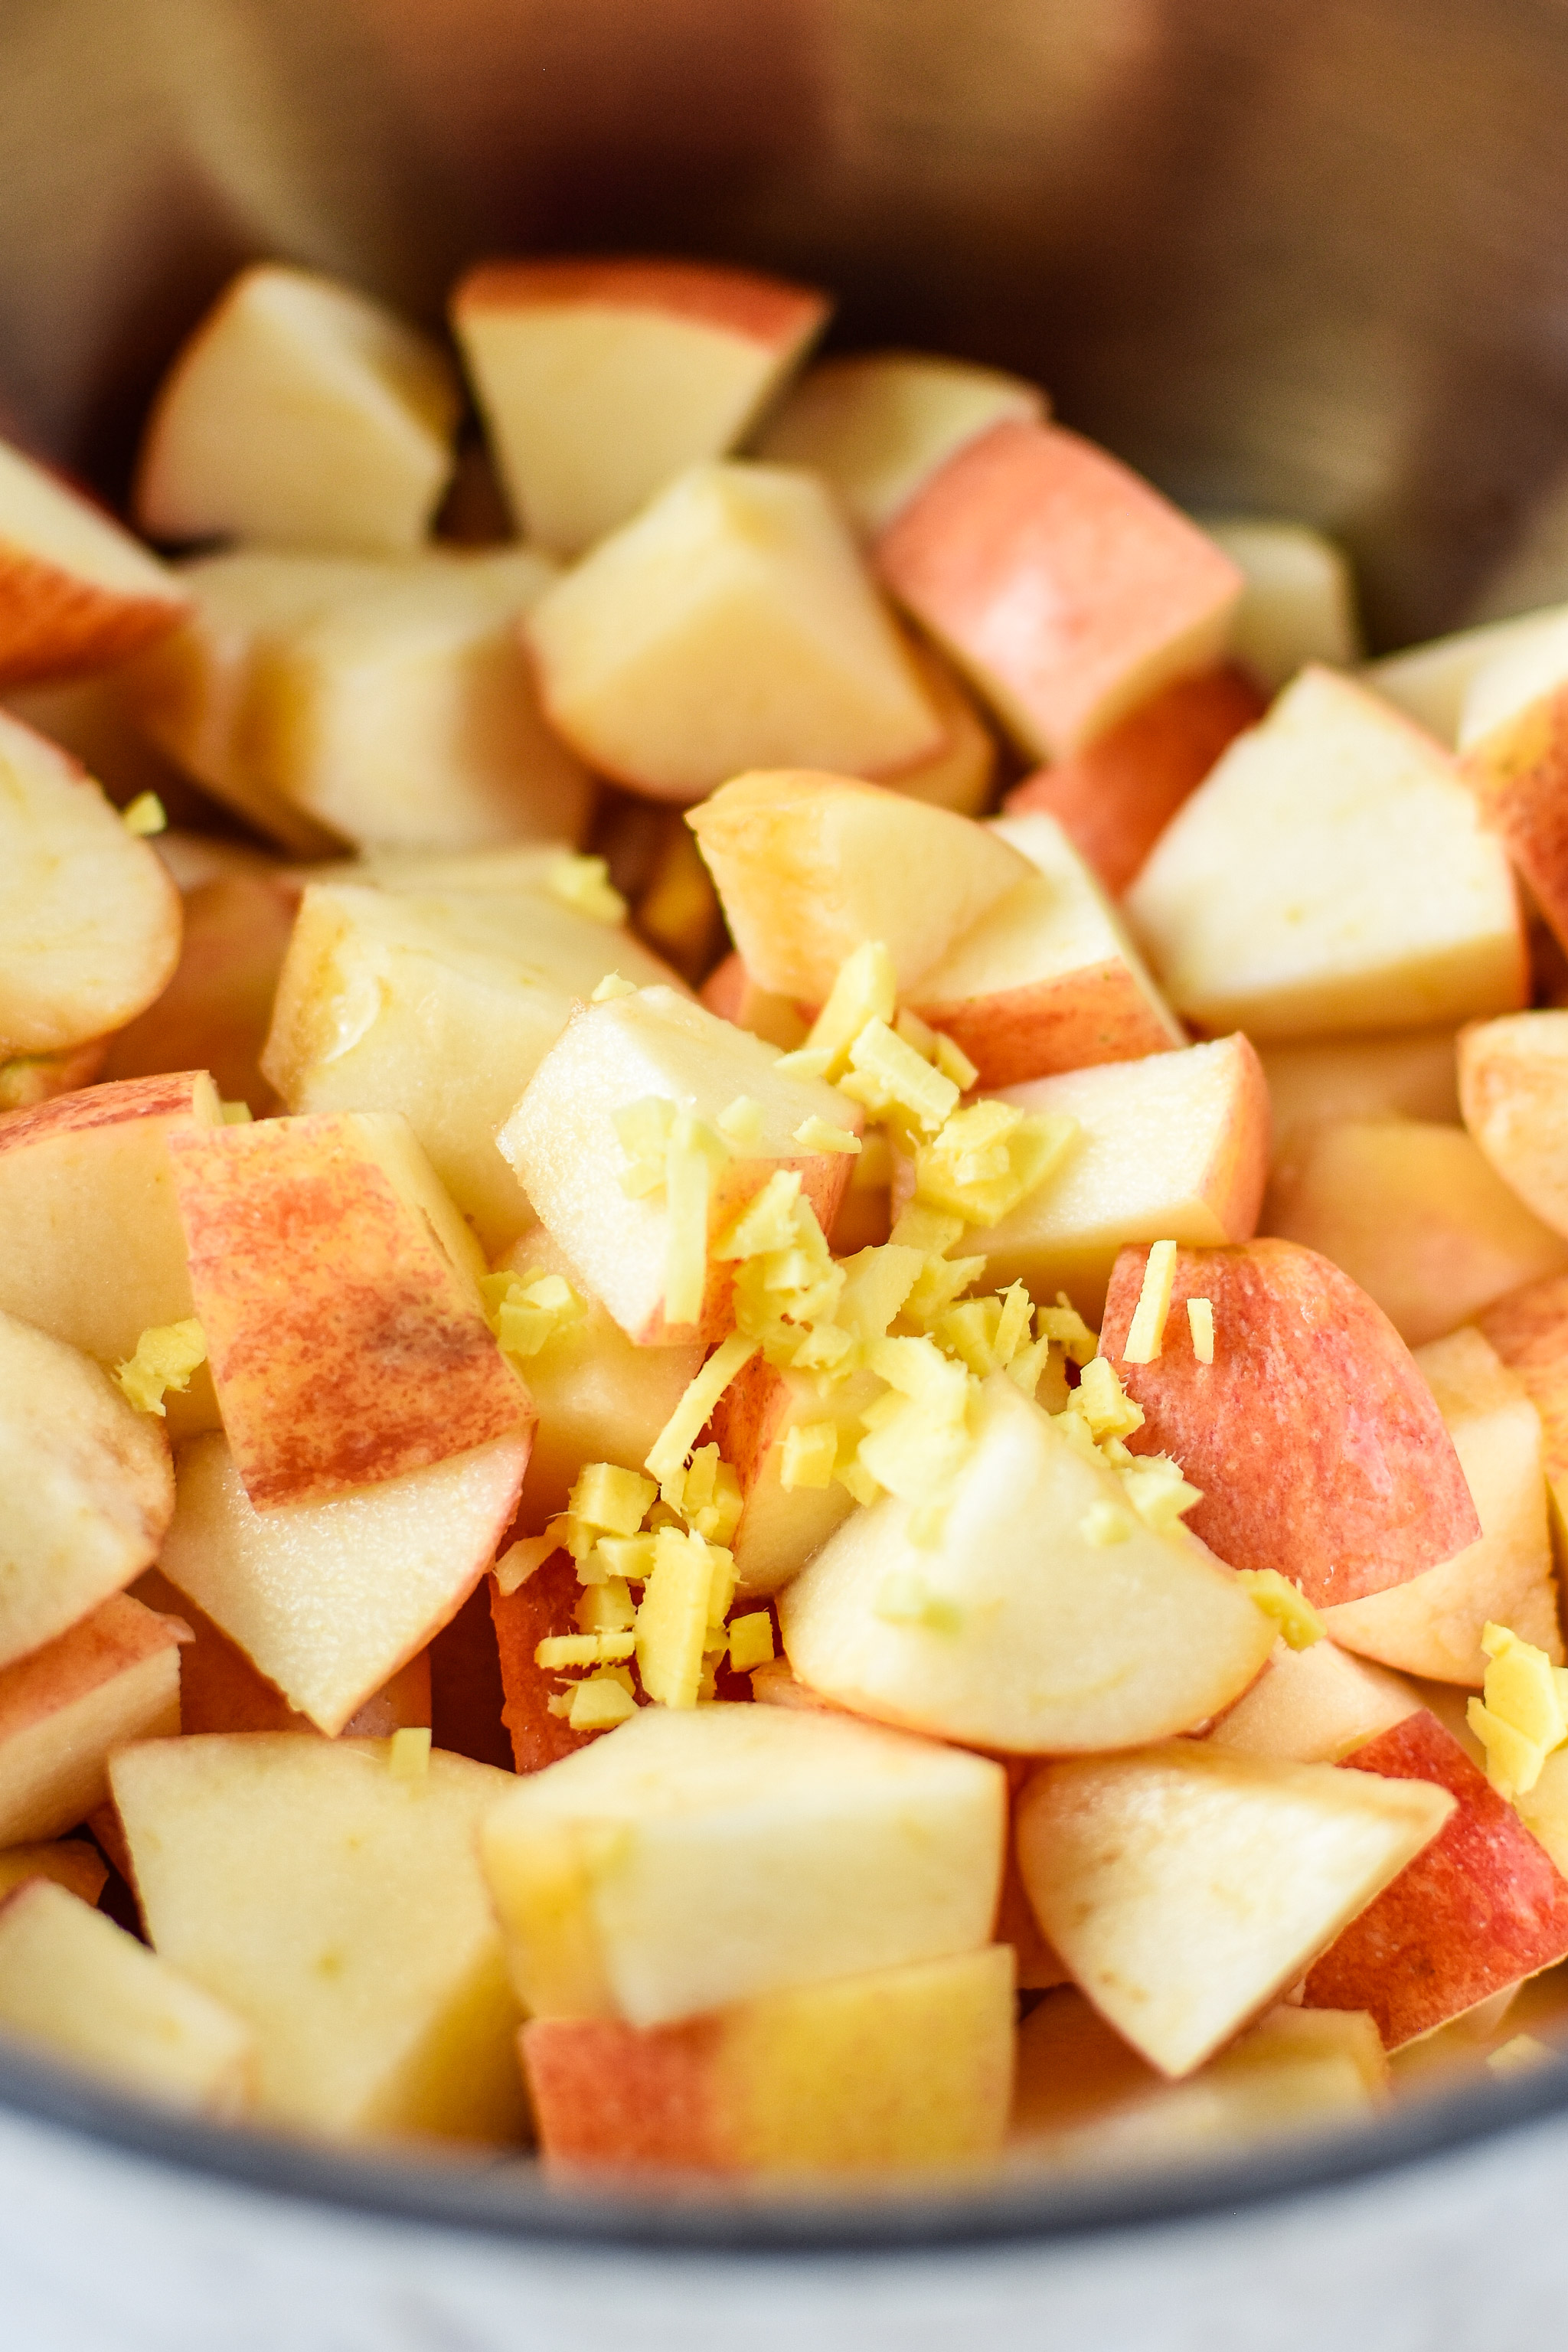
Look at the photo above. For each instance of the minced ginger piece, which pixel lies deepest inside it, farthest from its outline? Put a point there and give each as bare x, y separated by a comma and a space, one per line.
810, 1454
865, 989
1146, 1332
1100, 1400
886, 1073
740, 1123
527, 1311
611, 987
667, 1455
606, 1608
408, 1752
990, 1157
559, 1650
1299, 1622
597, 1704
583, 884
610, 1498
687, 1595
1522, 1715
166, 1355
1200, 1322
145, 815
750, 1641
819, 1134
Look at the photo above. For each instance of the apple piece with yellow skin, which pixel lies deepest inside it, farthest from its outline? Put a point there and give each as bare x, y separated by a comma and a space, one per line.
601, 379
1267, 903
1410, 1073
730, 625
282, 1875
811, 1847
77, 592
562, 1141
88, 1488
337, 1287
879, 425
1482, 1907
731, 992
329, 1598
440, 1007
1063, 587
87, 1178
1432, 1624
89, 922
1513, 1080
64, 1709
215, 1012
782, 1526
810, 867
1413, 1212
1047, 980
301, 413
1299, 604
1115, 797
1174, 1147
1045, 1618
70, 1863
1187, 1886
85, 1991
1318, 1443
1314, 1706
898, 2069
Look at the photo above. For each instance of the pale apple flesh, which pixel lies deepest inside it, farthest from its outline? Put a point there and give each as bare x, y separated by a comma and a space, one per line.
77, 592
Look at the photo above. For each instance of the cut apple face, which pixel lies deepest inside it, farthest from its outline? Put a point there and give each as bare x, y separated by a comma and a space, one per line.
1046, 1617
440, 1007
1047, 980
88, 1483
300, 414
1432, 1625
731, 625
84, 1990
543, 1608
898, 2069
1529, 1329
64, 1709
600, 380
810, 867
77, 592
1414, 1213
1187, 1886
1479, 1908
89, 922
1513, 1085
630, 1068
1115, 797
1430, 682
812, 1847
785, 1518
1063, 586
959, 773
1318, 1443
328, 1598
1267, 903
1173, 1147
1299, 604
879, 425
336, 1286
279, 1874
1315, 1705
1408, 1073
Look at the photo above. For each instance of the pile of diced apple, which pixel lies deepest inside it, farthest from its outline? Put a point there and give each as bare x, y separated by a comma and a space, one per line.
783, 1320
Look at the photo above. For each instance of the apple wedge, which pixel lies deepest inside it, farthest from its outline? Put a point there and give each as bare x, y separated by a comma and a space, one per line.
1047, 980
809, 867
334, 1902
1299, 604
1414, 1213
1410, 1073
300, 414
1429, 682
64, 1707
1063, 587
1529, 1329
784, 1524
1481, 1907
601, 379
89, 922
86, 1992
728, 625
1045, 1618
329, 1598
441, 1006
1187, 1886
656, 1047
1331, 873
541, 1608
879, 425
70, 1863
1432, 1625
1314, 1706
731, 992
214, 1014
810, 1847
29, 1079
77, 592
1174, 1147
1319, 1445
88, 1484
1513, 1090
897, 2069
1115, 797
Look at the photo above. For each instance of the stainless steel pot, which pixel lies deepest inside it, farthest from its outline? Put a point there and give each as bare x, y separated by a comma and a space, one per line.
1308, 256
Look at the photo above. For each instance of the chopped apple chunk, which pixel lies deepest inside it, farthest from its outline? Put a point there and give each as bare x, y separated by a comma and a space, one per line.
1314, 1706
1299, 604
1513, 1087
64, 1708
77, 592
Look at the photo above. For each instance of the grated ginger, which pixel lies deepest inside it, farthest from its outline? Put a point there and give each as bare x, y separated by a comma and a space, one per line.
584, 885
1522, 1715
1298, 1622
145, 815
166, 1355
1146, 1331
527, 1311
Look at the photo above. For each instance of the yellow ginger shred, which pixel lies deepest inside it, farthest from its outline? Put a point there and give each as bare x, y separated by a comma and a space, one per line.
887, 1074
865, 989
1102, 1401
1104, 1523
527, 1312
818, 1134
750, 1641
877, 1282
805, 1062
561, 1650
666, 1455
408, 1752
608, 1497
1200, 1323
1289, 1608
1064, 1323
955, 1063
626, 1558
917, 1434
597, 1704
606, 1608
930, 1231
583, 884
904, 1598
740, 1123
688, 1576
1155, 1487
1522, 1715
1146, 1331
145, 815
237, 1114
1029, 1367
166, 1355
810, 1454
990, 1157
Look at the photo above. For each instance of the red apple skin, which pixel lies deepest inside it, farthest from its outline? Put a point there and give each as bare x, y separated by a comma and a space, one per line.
537, 1611
1317, 1442
169, 1095
1529, 1329
1519, 776
1115, 798
605, 2092
759, 309
1481, 1907
1097, 1014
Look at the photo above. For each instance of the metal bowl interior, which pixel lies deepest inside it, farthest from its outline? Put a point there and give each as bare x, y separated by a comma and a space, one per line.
1309, 260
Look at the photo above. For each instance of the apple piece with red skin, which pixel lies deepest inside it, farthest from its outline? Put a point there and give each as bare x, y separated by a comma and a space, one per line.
781, 1527
731, 992
1319, 1446
1482, 1907
77, 592
1407, 1074
541, 1607
1518, 770
1115, 797
65, 1707
1529, 1329
1513, 1080
1315, 1705
1299, 604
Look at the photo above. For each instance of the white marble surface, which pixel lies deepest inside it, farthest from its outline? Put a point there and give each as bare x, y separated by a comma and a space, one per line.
99, 2253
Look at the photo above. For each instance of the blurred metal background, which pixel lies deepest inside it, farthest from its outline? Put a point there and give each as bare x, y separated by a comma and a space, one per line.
1301, 256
